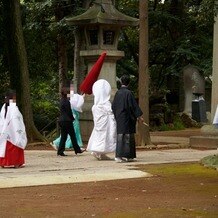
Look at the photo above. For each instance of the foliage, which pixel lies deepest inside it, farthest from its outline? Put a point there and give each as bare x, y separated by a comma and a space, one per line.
176, 125
45, 107
177, 37
210, 161
41, 29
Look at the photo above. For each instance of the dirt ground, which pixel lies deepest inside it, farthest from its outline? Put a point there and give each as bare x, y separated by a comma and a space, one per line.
175, 190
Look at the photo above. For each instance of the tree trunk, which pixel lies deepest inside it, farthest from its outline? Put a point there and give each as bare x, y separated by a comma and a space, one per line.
143, 131
79, 73
177, 9
86, 4
62, 61
61, 47
18, 66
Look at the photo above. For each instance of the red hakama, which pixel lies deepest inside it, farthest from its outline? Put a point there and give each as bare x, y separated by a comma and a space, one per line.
14, 156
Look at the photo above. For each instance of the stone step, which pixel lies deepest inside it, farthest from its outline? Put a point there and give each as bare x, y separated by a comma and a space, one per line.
209, 142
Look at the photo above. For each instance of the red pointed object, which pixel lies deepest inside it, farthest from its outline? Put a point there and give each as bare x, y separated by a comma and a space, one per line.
92, 76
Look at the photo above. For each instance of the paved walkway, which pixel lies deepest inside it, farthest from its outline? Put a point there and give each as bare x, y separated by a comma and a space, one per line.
45, 168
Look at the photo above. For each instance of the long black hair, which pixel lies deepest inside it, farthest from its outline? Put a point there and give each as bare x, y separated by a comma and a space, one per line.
10, 94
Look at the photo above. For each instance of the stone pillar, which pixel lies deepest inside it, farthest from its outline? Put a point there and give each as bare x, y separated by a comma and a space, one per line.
214, 99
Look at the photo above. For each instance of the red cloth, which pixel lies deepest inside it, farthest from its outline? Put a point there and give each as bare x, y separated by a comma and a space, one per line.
91, 78
14, 156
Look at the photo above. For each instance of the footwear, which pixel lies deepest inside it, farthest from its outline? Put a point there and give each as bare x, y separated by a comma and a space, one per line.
131, 160
96, 155
80, 151
62, 154
119, 160
127, 159
18, 166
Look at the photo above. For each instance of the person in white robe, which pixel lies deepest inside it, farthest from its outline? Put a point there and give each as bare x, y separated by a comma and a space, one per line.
103, 136
13, 139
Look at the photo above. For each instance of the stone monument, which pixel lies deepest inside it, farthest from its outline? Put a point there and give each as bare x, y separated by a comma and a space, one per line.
194, 84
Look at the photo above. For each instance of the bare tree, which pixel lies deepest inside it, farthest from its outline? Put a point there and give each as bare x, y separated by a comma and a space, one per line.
143, 131
17, 62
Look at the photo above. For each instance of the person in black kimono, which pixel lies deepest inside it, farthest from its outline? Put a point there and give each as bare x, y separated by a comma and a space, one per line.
126, 112
66, 124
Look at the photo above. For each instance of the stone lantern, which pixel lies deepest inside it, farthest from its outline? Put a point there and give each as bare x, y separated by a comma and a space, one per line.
101, 24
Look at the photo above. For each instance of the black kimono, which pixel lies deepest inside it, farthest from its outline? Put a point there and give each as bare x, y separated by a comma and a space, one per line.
126, 112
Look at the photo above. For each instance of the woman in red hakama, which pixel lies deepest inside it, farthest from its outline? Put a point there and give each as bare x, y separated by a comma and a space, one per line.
12, 134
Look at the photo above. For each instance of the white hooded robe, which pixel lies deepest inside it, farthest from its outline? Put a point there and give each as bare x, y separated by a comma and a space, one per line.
103, 137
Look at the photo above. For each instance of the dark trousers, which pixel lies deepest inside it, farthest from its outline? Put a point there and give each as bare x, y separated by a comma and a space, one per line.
67, 128
126, 146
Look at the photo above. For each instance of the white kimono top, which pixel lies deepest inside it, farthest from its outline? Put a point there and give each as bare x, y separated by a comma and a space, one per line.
103, 137
12, 128
76, 101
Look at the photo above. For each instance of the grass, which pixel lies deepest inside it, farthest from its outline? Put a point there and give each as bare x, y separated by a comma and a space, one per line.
194, 169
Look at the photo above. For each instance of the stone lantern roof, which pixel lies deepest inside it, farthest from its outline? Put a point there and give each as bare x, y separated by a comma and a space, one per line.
102, 12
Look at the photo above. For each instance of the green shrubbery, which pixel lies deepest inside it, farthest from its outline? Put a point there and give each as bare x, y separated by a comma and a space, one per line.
176, 125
